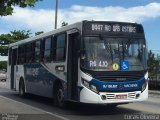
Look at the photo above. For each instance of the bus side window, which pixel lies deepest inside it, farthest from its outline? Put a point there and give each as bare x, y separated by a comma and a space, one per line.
29, 51
53, 48
21, 54
42, 49
60, 48
33, 53
37, 51
47, 49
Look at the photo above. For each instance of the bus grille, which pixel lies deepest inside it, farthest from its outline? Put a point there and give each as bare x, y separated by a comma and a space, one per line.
132, 95
111, 96
118, 78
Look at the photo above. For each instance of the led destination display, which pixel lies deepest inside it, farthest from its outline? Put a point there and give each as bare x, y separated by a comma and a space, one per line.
111, 27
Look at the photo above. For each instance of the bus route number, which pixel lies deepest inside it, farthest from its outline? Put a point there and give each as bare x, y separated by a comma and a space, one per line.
97, 27
98, 64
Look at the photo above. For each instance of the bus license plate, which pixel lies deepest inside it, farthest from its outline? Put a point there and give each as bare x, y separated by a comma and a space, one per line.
121, 96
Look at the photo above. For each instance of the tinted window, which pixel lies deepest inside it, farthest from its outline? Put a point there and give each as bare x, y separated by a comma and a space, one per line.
61, 41
47, 52
60, 47
37, 51
60, 54
21, 54
28, 53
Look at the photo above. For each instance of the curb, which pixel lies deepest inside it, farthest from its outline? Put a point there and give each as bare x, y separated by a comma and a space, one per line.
154, 92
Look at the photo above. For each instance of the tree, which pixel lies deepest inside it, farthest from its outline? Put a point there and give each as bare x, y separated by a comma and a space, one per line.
13, 36
64, 24
153, 64
38, 33
7, 6
3, 65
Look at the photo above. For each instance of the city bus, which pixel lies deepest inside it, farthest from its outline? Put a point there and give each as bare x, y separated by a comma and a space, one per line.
95, 62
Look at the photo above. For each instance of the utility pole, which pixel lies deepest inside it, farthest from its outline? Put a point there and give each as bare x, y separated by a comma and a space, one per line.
56, 14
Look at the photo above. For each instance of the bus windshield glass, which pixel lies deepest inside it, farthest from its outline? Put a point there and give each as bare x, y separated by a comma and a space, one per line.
113, 54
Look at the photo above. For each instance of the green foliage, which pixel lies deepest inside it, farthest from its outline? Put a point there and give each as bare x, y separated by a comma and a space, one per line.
153, 64
38, 33
20, 35
13, 36
7, 6
3, 65
64, 24
3, 50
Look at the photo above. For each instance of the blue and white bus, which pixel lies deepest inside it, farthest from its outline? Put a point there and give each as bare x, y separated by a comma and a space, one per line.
97, 62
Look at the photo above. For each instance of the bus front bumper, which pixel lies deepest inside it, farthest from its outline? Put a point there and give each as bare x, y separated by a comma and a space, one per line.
88, 96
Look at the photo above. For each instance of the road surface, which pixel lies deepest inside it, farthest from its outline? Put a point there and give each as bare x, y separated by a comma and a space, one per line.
40, 108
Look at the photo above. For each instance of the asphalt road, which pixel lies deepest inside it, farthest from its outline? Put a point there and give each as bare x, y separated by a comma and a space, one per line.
40, 108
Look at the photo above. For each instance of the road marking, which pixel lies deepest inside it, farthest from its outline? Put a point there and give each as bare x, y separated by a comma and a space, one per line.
53, 114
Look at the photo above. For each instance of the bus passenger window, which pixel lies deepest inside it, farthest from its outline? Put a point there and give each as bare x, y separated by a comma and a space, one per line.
60, 47
28, 53
21, 54
47, 52
33, 53
37, 51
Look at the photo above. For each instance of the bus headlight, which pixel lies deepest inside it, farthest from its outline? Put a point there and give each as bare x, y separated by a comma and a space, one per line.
144, 85
93, 88
85, 83
146, 76
89, 86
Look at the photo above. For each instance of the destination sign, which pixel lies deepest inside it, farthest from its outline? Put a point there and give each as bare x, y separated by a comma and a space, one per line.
90, 27
113, 28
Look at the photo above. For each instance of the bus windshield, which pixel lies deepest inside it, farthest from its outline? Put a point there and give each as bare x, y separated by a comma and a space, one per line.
113, 54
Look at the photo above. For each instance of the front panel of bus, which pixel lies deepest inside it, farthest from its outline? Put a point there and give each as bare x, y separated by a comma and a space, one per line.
113, 67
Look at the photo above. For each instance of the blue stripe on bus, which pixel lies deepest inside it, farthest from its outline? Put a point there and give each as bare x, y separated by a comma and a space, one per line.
118, 86
39, 80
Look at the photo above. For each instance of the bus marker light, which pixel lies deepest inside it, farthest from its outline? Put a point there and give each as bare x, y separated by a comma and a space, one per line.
86, 83
93, 88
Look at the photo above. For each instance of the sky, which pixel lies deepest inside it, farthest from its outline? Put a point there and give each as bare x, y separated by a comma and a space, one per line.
41, 17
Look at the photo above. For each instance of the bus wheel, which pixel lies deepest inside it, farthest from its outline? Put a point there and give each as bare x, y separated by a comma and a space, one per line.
59, 96
22, 89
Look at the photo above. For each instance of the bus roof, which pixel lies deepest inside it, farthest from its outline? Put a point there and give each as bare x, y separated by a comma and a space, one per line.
77, 25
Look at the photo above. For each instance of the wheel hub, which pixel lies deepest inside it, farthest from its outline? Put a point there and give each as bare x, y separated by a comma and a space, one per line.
60, 96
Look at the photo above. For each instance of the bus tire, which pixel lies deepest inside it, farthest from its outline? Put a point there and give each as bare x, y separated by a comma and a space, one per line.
22, 89
59, 99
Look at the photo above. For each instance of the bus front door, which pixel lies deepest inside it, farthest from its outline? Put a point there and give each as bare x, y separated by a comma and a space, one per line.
72, 67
